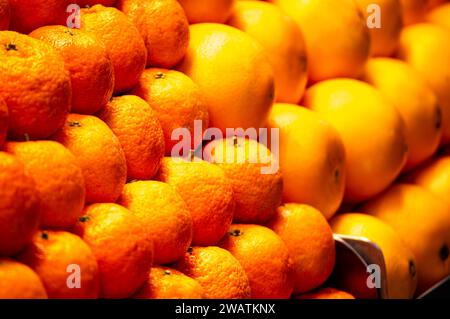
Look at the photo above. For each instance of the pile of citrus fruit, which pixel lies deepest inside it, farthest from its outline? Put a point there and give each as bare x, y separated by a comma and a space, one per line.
95, 96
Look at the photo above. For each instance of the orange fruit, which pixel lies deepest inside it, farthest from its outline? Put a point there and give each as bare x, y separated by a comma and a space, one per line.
234, 74
384, 40
431, 4
337, 38
413, 11
310, 242
57, 255
422, 220
434, 176
124, 45
163, 26
440, 15
326, 293
398, 258
58, 178
198, 11
176, 99
19, 207
121, 245
139, 132
5, 14
312, 158
90, 3
265, 259
3, 121
254, 176
283, 43
208, 194
168, 283
99, 155
18, 281
163, 215
416, 103
29, 15
426, 48
86, 59
27, 66
217, 271
370, 167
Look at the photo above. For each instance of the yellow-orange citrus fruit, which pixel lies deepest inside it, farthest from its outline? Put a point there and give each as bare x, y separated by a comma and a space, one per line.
19, 206
139, 132
254, 175
99, 154
440, 16
312, 158
310, 242
217, 271
413, 11
384, 39
427, 49
371, 166
416, 103
5, 14
198, 11
177, 101
283, 43
163, 26
207, 192
29, 15
58, 179
265, 259
422, 220
326, 293
234, 74
163, 215
18, 281
86, 59
90, 3
63, 260
35, 86
121, 245
3, 121
336, 35
398, 258
168, 283
122, 40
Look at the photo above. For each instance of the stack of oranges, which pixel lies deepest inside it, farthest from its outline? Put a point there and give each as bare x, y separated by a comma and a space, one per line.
94, 202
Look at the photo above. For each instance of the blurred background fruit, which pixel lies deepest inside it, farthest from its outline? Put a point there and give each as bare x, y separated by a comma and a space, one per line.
198, 11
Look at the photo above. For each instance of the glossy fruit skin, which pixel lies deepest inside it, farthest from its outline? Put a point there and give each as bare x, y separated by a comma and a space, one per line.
122, 247
371, 167
310, 242
168, 283
36, 108
319, 179
123, 43
206, 191
5, 14
176, 100
254, 175
214, 50
139, 132
265, 258
86, 59
422, 220
337, 38
51, 254
3, 121
99, 154
19, 207
163, 26
399, 259
326, 293
198, 11
164, 216
29, 15
283, 42
58, 179
227, 282
416, 103
430, 59
18, 281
